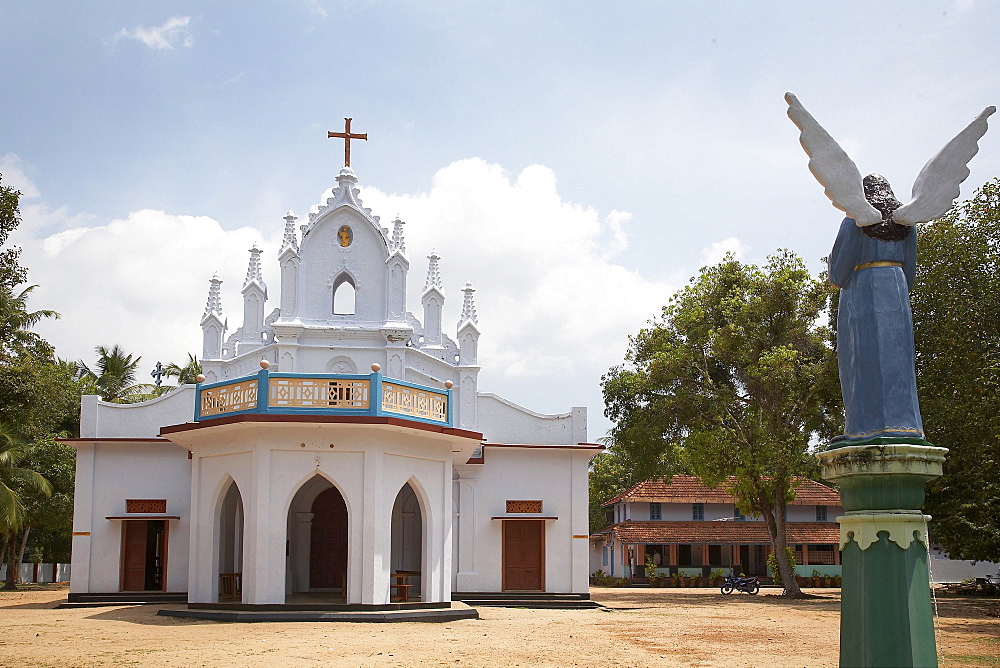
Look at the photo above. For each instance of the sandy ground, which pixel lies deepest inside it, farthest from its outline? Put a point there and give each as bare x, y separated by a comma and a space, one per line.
641, 627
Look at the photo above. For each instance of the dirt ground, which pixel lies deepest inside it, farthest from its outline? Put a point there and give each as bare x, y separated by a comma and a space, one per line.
640, 627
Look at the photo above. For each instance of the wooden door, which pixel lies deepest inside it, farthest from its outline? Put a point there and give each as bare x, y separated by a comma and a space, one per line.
328, 541
523, 555
133, 555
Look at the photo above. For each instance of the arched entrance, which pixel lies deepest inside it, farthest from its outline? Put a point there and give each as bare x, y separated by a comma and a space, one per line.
230, 552
317, 540
328, 541
407, 550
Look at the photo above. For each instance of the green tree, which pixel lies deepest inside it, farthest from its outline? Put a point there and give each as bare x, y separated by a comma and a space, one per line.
114, 376
50, 517
39, 397
12, 273
15, 481
956, 318
733, 381
184, 374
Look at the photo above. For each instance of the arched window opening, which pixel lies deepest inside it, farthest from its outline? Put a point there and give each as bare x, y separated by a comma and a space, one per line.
344, 294
231, 545
406, 554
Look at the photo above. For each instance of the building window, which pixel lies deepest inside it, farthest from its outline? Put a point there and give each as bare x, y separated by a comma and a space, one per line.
654, 511
737, 514
604, 556
821, 513
698, 511
344, 295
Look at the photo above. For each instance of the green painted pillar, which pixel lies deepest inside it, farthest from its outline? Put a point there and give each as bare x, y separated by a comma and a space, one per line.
886, 617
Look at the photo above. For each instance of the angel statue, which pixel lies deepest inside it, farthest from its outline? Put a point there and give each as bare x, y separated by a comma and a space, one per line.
873, 263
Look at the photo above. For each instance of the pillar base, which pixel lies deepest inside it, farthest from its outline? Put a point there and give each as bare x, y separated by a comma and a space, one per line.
886, 618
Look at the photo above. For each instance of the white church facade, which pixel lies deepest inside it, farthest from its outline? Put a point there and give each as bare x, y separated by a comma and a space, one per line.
337, 446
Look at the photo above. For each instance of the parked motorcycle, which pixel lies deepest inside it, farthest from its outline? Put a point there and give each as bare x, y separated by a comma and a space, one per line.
748, 585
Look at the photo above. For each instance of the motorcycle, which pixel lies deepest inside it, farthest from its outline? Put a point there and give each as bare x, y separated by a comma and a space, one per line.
748, 585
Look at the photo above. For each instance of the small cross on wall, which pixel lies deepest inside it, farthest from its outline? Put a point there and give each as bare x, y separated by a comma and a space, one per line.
347, 137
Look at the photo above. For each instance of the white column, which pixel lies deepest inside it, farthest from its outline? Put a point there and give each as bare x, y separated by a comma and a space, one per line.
203, 583
303, 545
376, 535
468, 484
579, 523
264, 548
83, 510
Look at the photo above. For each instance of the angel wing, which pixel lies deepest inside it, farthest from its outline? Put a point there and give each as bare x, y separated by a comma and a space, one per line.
937, 184
831, 166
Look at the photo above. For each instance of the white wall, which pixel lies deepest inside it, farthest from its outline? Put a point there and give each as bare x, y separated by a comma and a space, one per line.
502, 421
142, 420
557, 477
106, 475
368, 464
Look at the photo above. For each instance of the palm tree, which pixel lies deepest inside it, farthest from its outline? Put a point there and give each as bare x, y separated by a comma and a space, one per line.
185, 374
16, 321
115, 376
12, 514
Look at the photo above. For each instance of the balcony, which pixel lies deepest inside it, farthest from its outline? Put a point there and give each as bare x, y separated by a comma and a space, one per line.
323, 394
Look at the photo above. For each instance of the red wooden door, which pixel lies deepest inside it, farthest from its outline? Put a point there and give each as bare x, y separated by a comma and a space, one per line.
133, 555
328, 541
523, 555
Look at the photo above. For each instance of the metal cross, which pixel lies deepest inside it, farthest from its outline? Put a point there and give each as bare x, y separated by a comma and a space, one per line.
158, 374
347, 137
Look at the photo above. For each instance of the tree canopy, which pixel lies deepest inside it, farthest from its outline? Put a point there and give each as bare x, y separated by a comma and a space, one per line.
956, 318
732, 382
39, 398
114, 376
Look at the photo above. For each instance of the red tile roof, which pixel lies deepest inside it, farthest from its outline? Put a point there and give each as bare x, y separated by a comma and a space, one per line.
690, 489
728, 532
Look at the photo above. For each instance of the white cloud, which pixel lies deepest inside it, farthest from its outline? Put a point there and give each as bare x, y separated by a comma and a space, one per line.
174, 32
551, 299
140, 281
554, 307
716, 252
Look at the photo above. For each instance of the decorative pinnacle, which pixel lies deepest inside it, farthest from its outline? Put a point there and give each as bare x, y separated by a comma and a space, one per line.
468, 307
397, 243
214, 305
433, 273
253, 269
290, 240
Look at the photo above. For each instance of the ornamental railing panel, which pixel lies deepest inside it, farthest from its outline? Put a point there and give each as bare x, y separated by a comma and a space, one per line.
405, 400
308, 392
229, 398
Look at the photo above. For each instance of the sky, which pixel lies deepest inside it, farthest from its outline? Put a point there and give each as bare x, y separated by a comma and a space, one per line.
577, 162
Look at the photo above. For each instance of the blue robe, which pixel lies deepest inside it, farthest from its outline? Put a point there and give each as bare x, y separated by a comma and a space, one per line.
875, 334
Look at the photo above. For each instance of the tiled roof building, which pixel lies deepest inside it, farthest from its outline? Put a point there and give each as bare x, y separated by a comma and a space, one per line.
687, 527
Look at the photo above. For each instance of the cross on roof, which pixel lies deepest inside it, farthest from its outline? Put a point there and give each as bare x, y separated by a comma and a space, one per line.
347, 137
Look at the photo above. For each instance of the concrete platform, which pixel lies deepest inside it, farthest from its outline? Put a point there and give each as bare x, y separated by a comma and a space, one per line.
343, 613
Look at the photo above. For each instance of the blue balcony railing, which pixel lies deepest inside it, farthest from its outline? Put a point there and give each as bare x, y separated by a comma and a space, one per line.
323, 394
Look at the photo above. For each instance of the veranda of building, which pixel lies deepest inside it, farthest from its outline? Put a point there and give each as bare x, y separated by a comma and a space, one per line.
688, 528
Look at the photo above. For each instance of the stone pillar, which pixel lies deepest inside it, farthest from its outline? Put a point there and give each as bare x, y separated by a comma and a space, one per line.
886, 616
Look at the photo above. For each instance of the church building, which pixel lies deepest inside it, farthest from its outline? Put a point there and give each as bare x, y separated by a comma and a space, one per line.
336, 447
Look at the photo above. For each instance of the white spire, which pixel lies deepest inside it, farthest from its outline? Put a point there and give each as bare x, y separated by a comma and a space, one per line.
433, 273
253, 269
290, 240
468, 307
214, 304
397, 243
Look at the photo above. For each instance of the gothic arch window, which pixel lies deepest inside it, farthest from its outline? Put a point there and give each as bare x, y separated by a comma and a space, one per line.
344, 295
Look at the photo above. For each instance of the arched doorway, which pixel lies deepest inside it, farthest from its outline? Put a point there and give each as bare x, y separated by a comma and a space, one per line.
328, 541
230, 552
407, 550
